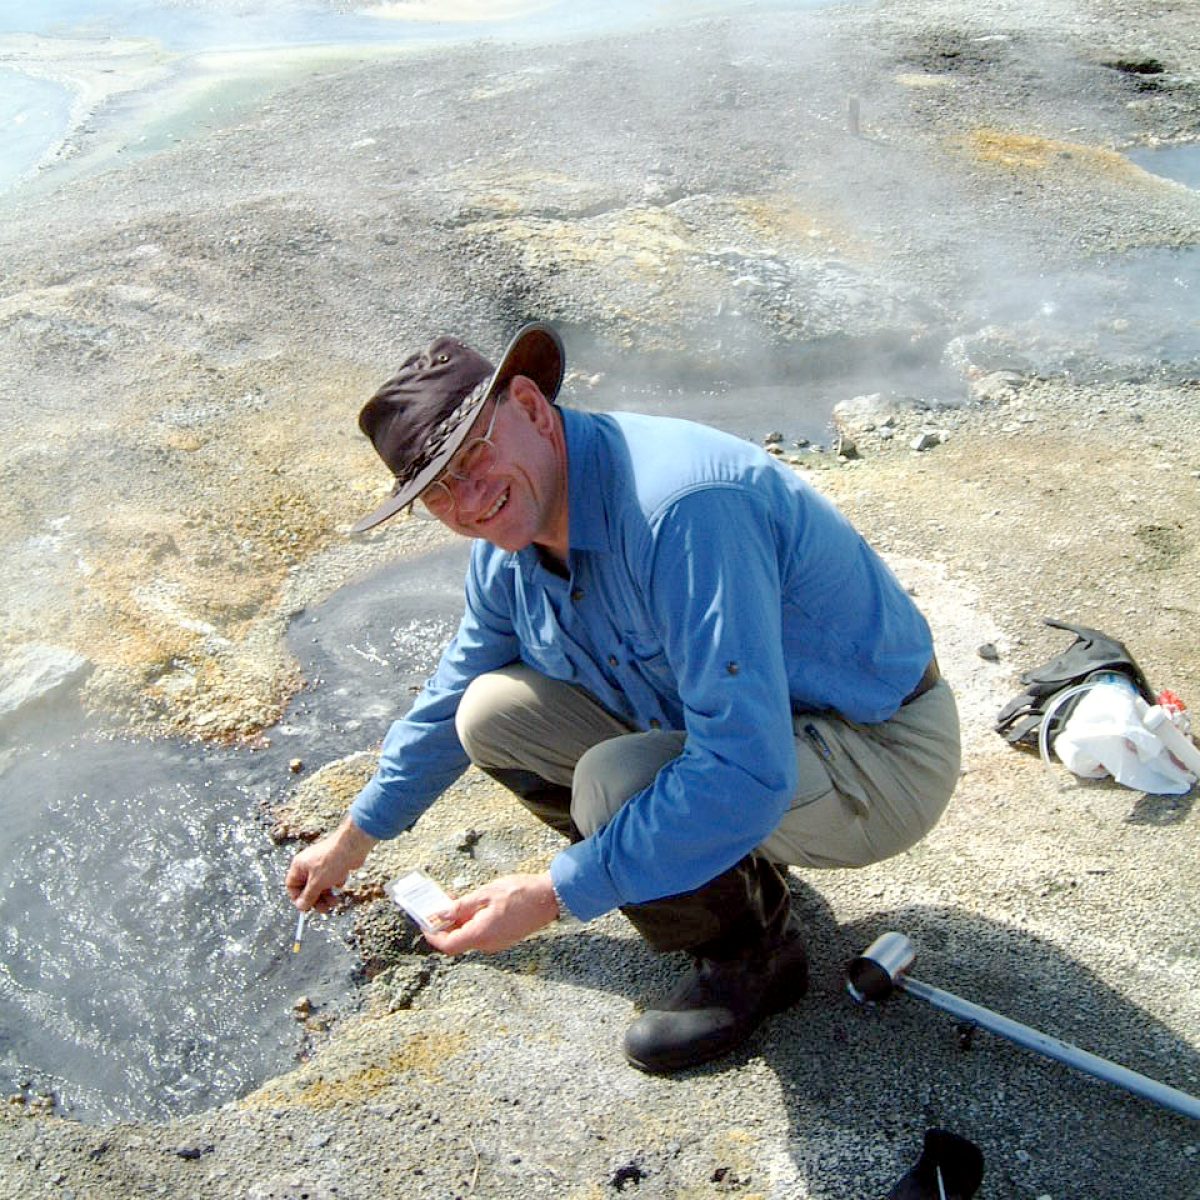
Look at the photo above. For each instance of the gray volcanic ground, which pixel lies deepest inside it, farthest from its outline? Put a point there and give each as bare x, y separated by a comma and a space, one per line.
882, 225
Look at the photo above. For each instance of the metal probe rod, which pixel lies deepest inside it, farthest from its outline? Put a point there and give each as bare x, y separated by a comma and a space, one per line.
1052, 1047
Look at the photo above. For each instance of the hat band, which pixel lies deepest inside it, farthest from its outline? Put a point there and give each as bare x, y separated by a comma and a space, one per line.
441, 434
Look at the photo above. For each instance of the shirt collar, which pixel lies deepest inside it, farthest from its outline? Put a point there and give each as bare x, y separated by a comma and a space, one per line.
586, 475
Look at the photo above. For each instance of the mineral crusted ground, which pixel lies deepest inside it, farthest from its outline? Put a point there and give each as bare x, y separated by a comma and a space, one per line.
184, 342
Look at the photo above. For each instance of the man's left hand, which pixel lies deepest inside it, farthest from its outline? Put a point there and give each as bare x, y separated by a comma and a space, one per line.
498, 915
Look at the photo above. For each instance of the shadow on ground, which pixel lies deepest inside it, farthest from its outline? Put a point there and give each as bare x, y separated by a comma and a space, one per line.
861, 1084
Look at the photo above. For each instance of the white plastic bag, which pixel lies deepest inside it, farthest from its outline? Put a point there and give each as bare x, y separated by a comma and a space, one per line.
1105, 736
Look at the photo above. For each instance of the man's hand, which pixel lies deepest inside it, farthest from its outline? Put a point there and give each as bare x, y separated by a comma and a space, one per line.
318, 869
498, 915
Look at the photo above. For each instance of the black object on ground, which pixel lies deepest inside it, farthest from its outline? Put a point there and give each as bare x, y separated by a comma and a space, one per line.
950, 1168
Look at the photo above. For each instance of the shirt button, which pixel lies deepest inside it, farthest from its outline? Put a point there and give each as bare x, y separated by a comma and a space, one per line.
577, 595
732, 668
655, 723
612, 660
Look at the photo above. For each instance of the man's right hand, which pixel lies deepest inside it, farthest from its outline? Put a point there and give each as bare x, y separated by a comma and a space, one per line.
318, 869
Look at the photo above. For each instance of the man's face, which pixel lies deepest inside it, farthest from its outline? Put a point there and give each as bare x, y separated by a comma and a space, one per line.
508, 482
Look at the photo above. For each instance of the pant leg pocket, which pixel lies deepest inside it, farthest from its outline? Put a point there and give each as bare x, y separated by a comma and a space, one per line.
813, 754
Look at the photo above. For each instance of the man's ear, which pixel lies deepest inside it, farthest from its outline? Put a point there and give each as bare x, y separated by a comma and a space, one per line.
523, 392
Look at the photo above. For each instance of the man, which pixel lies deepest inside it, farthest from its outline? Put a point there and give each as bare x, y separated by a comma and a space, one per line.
674, 652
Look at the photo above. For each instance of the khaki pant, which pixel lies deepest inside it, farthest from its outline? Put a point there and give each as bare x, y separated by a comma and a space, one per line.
865, 793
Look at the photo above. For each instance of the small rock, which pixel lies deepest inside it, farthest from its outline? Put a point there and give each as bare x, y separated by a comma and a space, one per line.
33, 672
773, 439
988, 652
193, 1152
629, 1175
997, 387
846, 448
858, 412
925, 441
296, 766
468, 842
302, 1007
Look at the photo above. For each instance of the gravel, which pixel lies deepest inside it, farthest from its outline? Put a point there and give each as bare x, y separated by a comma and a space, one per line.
190, 335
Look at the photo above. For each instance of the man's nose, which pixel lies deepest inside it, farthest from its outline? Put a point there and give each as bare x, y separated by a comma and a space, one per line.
467, 492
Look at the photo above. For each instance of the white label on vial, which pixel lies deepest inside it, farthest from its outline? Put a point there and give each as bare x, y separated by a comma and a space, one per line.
421, 898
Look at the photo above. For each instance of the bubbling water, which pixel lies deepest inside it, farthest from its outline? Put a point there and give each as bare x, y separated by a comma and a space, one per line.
146, 965
145, 957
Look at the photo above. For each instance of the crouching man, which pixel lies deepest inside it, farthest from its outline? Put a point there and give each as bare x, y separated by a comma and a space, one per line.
674, 652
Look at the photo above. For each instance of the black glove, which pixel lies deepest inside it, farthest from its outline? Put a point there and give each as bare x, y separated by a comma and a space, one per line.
1020, 720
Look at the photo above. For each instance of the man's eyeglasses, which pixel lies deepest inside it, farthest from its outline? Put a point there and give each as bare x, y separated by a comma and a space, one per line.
474, 461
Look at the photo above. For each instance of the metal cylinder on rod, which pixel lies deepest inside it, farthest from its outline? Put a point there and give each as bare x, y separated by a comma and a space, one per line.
882, 967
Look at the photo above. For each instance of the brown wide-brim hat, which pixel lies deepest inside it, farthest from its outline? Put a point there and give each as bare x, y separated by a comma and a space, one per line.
422, 415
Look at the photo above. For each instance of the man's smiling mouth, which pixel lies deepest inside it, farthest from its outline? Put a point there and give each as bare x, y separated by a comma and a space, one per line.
501, 501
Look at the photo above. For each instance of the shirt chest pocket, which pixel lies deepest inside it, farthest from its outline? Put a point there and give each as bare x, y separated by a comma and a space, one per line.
544, 643
644, 651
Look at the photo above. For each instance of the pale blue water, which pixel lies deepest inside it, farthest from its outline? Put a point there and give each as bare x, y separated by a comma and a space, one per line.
34, 112
1181, 163
187, 24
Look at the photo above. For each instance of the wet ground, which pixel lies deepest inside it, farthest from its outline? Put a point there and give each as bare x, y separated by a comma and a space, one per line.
1181, 163
139, 889
139, 892
186, 342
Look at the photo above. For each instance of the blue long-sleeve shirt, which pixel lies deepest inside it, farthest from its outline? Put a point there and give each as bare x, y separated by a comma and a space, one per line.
710, 590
